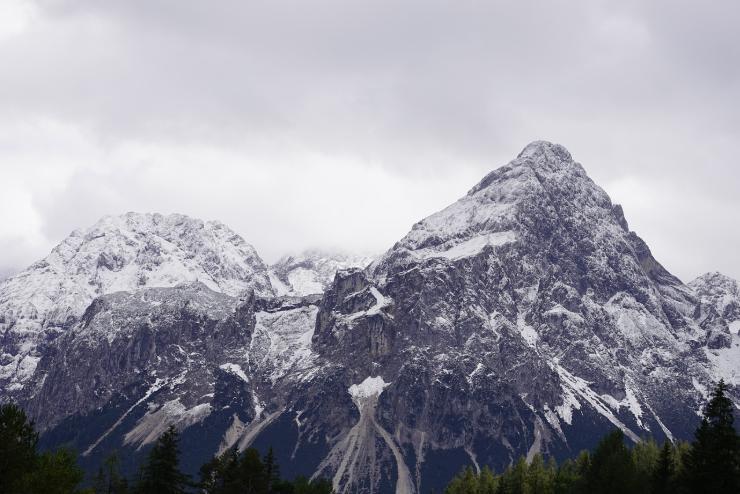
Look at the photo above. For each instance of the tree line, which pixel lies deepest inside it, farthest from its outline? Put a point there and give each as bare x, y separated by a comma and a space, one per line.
709, 464
23, 470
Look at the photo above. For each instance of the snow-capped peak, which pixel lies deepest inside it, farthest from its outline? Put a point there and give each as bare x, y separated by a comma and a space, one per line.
118, 253
540, 180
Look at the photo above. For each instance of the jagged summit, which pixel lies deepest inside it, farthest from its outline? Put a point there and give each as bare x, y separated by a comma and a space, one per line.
537, 156
538, 196
523, 318
539, 148
117, 253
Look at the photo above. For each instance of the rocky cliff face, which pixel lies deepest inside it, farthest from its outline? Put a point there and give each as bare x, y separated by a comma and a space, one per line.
524, 318
119, 253
719, 315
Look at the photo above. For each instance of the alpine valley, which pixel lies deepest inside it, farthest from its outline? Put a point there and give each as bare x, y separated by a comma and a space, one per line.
525, 317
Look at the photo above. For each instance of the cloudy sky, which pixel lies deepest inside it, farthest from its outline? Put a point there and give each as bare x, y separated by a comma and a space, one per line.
341, 123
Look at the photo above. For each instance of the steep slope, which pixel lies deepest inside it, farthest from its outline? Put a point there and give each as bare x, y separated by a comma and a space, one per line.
524, 318
312, 271
118, 253
220, 368
719, 315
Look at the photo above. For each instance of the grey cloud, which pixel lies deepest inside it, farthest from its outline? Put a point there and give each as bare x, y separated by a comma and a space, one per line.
421, 91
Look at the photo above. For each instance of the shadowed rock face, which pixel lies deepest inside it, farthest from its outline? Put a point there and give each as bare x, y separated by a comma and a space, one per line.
524, 318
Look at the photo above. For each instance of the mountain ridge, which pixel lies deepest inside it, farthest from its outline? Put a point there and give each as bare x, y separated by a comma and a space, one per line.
525, 317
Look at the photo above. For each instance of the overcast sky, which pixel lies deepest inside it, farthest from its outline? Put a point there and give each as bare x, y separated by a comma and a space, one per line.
340, 123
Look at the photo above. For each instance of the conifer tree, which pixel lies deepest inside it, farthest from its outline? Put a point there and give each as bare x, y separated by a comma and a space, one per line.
18, 441
713, 463
514, 479
221, 474
272, 470
161, 473
252, 474
665, 468
488, 482
54, 473
611, 469
540, 478
108, 479
644, 457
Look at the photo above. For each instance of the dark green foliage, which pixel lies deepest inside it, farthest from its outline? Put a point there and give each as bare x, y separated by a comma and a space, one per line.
713, 463
272, 470
665, 470
22, 469
55, 473
246, 473
221, 474
17, 447
252, 474
108, 479
612, 469
161, 473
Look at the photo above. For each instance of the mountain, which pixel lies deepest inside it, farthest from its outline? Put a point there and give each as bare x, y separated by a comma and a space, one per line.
526, 317
118, 253
719, 314
311, 271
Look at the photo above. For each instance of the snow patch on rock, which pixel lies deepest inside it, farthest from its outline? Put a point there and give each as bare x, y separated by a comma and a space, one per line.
371, 386
234, 369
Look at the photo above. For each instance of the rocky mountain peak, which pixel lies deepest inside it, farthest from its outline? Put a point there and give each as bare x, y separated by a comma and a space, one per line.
541, 196
722, 293
544, 151
118, 253
523, 318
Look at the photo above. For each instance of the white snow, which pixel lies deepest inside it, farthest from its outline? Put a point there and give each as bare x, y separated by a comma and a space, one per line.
726, 361
735, 327
278, 286
528, 332
281, 343
478, 368
305, 281
121, 253
630, 402
466, 248
350, 457
381, 301
581, 388
636, 322
570, 403
311, 271
235, 369
633, 404
371, 386
665, 429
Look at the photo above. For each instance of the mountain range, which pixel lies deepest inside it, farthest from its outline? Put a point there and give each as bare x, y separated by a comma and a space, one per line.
526, 317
